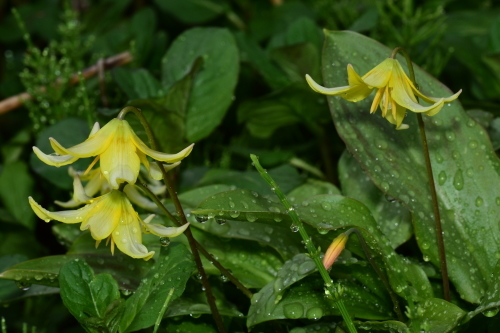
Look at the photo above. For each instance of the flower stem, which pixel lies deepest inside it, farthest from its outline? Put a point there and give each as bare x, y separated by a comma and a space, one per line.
432, 185
334, 293
180, 213
200, 247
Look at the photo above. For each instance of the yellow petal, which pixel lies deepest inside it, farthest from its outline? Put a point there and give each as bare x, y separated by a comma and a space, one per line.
136, 197
104, 214
376, 100
155, 172
54, 160
379, 76
95, 129
128, 237
95, 182
120, 163
162, 231
66, 216
350, 93
68, 204
397, 116
94, 145
79, 194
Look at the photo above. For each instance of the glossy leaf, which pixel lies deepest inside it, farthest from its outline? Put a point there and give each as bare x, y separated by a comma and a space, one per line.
213, 86
16, 185
391, 216
466, 169
172, 269
137, 84
84, 294
324, 212
435, 315
294, 294
490, 304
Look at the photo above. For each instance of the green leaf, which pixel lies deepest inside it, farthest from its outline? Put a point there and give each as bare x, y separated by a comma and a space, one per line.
435, 315
295, 294
137, 83
316, 328
298, 60
142, 27
325, 212
385, 326
172, 270
8, 289
16, 185
310, 189
68, 132
213, 86
465, 167
45, 270
391, 216
190, 327
84, 294
490, 304
291, 105
300, 30
193, 11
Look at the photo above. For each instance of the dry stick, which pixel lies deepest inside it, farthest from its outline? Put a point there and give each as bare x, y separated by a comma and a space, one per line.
180, 213
432, 185
17, 101
200, 247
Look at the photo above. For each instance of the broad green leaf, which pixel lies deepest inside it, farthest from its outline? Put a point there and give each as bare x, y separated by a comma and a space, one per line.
291, 105
193, 11
193, 197
298, 60
84, 294
16, 185
290, 296
66, 234
137, 83
9, 289
190, 327
259, 59
435, 315
253, 264
391, 216
142, 28
490, 304
310, 189
384, 326
300, 30
466, 169
316, 328
324, 212
172, 270
68, 132
45, 270
213, 86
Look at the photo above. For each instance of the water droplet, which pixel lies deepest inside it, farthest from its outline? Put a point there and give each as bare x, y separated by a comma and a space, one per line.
323, 231
314, 313
381, 145
497, 200
234, 214
473, 144
23, 285
442, 177
450, 136
126, 292
385, 186
471, 123
479, 201
231, 204
326, 206
458, 180
278, 219
294, 228
293, 310
201, 218
455, 154
439, 158
164, 241
491, 313
377, 168
220, 221
425, 245
306, 267
251, 217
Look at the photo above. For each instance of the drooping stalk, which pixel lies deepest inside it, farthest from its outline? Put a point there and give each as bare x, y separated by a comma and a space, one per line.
180, 212
334, 293
432, 185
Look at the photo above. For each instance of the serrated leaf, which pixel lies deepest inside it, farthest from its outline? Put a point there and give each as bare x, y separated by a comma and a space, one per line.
172, 269
84, 294
213, 86
466, 169
391, 216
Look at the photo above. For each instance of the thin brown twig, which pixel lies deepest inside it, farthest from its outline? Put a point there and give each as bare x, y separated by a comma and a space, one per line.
16, 101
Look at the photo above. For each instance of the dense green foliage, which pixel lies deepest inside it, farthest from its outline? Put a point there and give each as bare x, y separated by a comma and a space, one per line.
228, 75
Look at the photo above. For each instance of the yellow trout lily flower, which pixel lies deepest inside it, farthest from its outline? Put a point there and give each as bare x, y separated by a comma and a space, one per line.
120, 152
396, 93
97, 183
112, 216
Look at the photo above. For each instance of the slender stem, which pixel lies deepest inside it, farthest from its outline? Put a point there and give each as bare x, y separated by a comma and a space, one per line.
334, 293
200, 247
180, 213
432, 185
163, 309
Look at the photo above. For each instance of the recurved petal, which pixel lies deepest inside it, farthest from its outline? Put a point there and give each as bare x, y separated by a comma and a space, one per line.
169, 158
95, 129
155, 172
79, 194
162, 231
136, 197
105, 214
94, 145
120, 163
404, 97
54, 160
379, 76
66, 216
68, 204
128, 237
353, 93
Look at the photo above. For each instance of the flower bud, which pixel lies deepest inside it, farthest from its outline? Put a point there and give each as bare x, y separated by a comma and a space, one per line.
335, 249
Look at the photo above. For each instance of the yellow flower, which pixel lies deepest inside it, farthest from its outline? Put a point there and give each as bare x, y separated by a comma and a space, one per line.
334, 250
396, 93
120, 152
97, 183
112, 216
